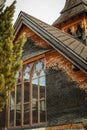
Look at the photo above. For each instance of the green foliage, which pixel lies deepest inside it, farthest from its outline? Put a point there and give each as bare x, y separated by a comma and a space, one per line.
10, 54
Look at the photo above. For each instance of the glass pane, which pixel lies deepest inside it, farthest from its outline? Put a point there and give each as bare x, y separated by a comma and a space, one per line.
39, 66
12, 103
26, 73
19, 77
26, 113
18, 94
42, 111
12, 99
35, 75
35, 112
12, 117
18, 115
42, 87
42, 73
26, 77
35, 89
27, 69
26, 92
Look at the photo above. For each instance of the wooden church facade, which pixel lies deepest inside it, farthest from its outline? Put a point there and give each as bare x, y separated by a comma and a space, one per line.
51, 90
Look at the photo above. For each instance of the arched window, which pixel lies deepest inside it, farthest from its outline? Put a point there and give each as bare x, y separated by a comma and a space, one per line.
28, 101
38, 93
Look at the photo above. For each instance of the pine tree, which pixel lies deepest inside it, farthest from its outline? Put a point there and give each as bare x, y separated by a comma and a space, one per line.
10, 53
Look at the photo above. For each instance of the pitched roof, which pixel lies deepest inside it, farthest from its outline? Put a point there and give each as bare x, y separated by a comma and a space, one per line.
67, 45
71, 9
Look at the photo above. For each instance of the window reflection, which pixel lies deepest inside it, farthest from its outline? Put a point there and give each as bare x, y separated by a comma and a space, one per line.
12, 117
27, 69
42, 87
18, 94
35, 89
12, 103
42, 111
35, 75
39, 66
19, 77
18, 115
12, 99
26, 73
26, 113
42, 73
26, 92
35, 112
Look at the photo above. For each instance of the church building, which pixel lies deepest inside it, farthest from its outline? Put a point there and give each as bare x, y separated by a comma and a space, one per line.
51, 87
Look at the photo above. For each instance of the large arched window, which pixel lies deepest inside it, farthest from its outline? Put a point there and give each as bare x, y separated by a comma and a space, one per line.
28, 102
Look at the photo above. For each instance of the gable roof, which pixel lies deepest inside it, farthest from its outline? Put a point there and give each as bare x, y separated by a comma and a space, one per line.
67, 45
71, 9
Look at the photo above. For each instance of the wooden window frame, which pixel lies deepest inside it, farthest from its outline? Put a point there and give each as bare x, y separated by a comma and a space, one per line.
30, 124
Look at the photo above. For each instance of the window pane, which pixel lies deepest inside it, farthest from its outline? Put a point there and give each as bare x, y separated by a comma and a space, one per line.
26, 77
42, 73
26, 113
12, 99
27, 69
35, 89
35, 112
12, 103
18, 115
18, 94
42, 111
26, 73
34, 75
19, 77
12, 117
42, 87
39, 66
26, 92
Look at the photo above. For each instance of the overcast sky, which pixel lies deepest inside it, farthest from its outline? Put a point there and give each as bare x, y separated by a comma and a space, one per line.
45, 10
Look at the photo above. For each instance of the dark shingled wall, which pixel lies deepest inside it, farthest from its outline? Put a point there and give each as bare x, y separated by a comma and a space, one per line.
66, 102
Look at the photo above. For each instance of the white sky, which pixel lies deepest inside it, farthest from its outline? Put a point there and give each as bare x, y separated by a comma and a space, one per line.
45, 10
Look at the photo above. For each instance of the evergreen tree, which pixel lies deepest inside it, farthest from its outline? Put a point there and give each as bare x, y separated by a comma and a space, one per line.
10, 53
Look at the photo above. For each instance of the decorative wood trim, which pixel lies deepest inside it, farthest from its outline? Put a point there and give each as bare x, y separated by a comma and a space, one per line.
34, 58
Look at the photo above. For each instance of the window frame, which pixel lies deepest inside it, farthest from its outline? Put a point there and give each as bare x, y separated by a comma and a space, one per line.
30, 102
